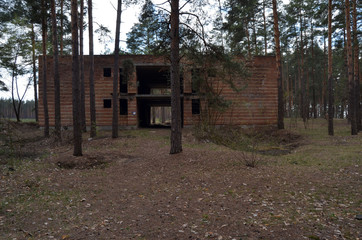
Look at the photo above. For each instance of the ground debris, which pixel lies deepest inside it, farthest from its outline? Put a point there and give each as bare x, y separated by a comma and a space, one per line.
132, 188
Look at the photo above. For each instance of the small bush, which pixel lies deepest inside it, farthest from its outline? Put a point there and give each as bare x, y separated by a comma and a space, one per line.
244, 141
250, 159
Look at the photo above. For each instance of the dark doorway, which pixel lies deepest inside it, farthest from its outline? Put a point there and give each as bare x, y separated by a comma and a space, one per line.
152, 77
154, 96
151, 109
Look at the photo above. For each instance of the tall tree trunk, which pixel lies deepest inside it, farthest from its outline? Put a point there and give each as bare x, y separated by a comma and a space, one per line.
302, 78
14, 87
82, 87
330, 76
77, 131
265, 33
116, 72
286, 89
279, 68
325, 80
44, 43
307, 100
61, 26
341, 115
221, 29
345, 55
352, 102
356, 69
255, 40
176, 134
34, 73
248, 38
296, 93
314, 104
57, 116
290, 96
93, 131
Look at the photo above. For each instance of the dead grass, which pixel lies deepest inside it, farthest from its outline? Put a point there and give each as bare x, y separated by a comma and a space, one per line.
131, 188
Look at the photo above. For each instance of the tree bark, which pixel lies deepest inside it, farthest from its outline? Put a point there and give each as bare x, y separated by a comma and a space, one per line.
14, 73
314, 103
93, 131
81, 59
61, 26
248, 38
341, 115
265, 33
330, 76
77, 133
116, 72
176, 134
57, 116
351, 103
302, 78
279, 68
34, 74
256, 52
325, 81
356, 69
44, 58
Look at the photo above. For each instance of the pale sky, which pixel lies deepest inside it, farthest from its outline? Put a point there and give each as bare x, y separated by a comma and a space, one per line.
104, 13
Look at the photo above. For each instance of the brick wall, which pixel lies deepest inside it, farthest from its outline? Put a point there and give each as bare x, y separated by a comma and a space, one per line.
256, 104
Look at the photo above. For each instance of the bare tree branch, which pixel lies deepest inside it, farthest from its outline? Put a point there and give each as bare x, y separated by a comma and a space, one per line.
159, 4
184, 4
164, 9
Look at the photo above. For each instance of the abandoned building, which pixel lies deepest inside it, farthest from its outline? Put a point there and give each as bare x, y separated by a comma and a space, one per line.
144, 100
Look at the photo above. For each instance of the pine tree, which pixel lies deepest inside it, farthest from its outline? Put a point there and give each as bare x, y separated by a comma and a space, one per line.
330, 77
44, 59
239, 25
279, 68
81, 59
176, 134
56, 74
77, 131
351, 102
93, 131
356, 69
149, 35
116, 72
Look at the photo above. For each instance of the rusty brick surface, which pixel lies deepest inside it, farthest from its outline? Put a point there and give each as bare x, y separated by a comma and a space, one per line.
255, 105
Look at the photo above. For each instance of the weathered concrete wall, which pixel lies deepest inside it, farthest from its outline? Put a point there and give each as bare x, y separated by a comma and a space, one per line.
256, 104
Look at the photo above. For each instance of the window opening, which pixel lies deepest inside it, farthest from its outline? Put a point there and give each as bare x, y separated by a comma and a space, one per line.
123, 107
195, 106
195, 80
107, 72
123, 86
107, 103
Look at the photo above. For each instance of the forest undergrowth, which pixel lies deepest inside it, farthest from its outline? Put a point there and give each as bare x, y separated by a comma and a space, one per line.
304, 185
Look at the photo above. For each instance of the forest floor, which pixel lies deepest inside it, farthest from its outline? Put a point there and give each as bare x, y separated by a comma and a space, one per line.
308, 187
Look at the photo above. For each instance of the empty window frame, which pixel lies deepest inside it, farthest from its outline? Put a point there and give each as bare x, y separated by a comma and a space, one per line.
181, 82
107, 72
107, 103
123, 107
195, 106
195, 80
123, 86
